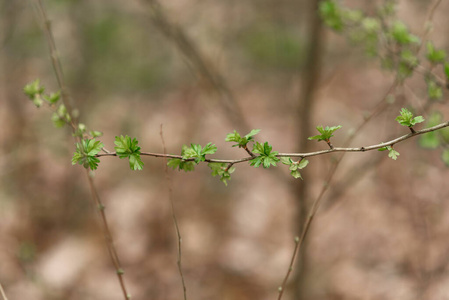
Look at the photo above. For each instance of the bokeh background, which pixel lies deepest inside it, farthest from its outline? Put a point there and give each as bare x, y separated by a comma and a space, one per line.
202, 68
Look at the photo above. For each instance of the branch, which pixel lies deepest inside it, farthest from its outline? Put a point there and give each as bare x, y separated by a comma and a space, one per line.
301, 155
57, 67
175, 219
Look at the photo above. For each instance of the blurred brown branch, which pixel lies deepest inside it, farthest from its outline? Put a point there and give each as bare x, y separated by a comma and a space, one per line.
198, 62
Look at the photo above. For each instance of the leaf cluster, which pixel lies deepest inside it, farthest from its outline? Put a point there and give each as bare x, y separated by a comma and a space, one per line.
295, 166
326, 133
222, 170
127, 148
85, 153
266, 156
190, 156
240, 141
406, 118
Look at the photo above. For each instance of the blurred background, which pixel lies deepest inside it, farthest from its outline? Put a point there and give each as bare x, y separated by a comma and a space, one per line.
202, 68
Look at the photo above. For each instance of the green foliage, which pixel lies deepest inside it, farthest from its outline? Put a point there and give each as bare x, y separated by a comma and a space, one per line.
406, 118
222, 170
198, 153
85, 153
434, 90
34, 91
431, 140
393, 154
33, 88
242, 142
181, 164
266, 157
326, 133
80, 131
407, 63
53, 97
295, 166
60, 117
187, 166
435, 56
95, 133
331, 14
400, 34
127, 148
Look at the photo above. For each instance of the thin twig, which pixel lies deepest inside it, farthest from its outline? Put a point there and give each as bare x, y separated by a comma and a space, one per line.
290, 268
3, 293
56, 62
107, 235
427, 23
302, 155
175, 220
57, 67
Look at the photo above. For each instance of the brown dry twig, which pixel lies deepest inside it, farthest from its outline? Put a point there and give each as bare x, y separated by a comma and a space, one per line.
57, 67
175, 219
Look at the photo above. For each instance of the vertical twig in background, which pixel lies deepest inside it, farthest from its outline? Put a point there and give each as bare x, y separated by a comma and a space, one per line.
3, 293
290, 269
175, 220
310, 81
46, 27
199, 63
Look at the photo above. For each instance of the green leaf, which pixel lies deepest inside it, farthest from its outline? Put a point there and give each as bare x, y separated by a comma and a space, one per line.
221, 169
241, 141
94, 133
180, 164
85, 153
266, 157
296, 174
407, 63
432, 140
393, 154
435, 56
53, 97
80, 130
295, 166
286, 160
197, 152
127, 148
303, 163
33, 88
399, 32
57, 121
429, 140
326, 133
406, 118
135, 162
331, 14
37, 100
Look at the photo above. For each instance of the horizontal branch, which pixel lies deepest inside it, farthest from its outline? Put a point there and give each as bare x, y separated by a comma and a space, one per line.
302, 155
